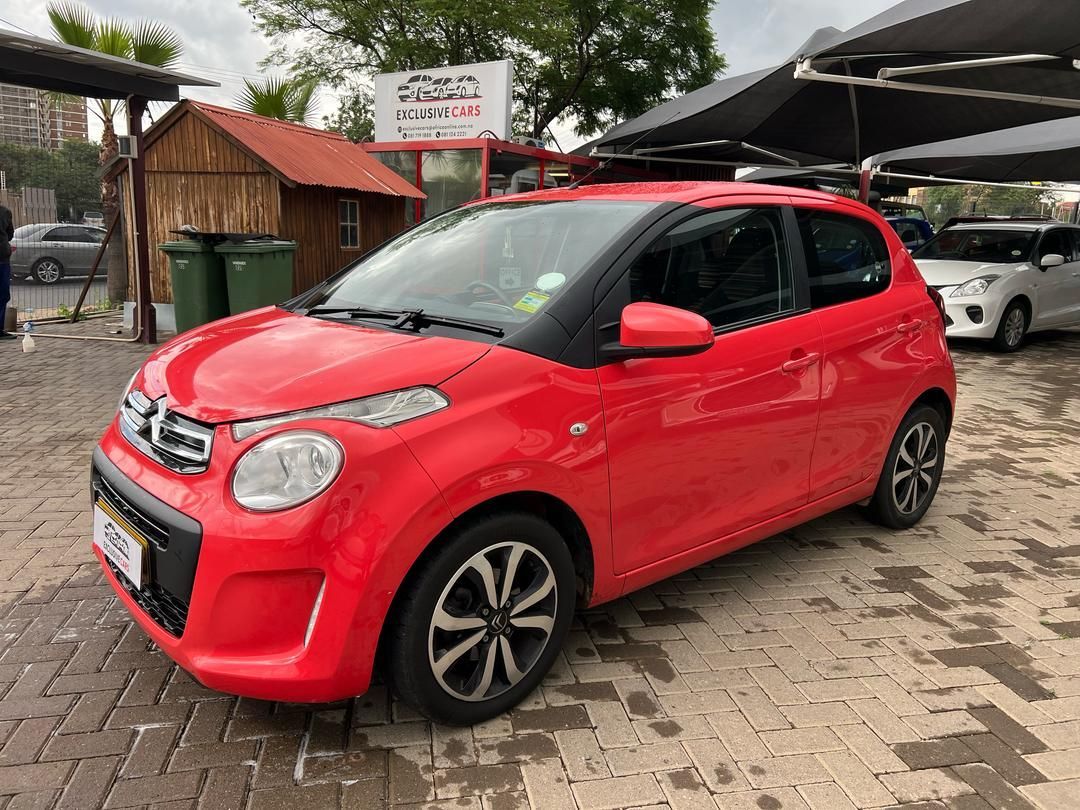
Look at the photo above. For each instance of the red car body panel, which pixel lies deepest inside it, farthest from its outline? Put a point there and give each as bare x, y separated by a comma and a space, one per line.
672, 461
290, 363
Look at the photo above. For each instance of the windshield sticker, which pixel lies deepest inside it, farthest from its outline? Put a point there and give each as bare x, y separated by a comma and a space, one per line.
531, 301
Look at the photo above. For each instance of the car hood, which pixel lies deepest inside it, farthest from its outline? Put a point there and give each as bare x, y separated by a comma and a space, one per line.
272, 361
948, 272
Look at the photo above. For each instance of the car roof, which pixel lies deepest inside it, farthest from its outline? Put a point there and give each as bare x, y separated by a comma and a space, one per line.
678, 191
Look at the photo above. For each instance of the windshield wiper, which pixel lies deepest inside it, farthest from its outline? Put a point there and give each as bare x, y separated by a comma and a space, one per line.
356, 312
416, 318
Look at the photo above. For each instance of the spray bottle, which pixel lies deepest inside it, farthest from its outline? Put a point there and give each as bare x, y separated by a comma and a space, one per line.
28, 339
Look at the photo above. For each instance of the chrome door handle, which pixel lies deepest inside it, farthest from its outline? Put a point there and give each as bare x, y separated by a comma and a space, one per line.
804, 362
909, 326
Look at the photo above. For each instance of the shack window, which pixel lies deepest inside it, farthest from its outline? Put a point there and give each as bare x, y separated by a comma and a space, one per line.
349, 219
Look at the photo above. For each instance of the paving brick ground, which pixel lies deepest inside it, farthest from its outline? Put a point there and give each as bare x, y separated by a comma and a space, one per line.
836, 665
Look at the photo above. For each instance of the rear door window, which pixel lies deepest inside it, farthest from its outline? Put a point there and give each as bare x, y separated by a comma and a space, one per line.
846, 257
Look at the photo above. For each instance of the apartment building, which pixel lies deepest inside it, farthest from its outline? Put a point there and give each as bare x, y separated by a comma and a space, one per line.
32, 118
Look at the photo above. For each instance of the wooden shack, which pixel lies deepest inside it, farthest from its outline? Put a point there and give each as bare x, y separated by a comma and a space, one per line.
229, 171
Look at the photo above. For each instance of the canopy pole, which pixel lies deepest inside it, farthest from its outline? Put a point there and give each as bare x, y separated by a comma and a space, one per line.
147, 317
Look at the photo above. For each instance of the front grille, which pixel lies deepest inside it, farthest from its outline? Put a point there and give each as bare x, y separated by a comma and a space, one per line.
164, 608
174, 441
150, 529
173, 550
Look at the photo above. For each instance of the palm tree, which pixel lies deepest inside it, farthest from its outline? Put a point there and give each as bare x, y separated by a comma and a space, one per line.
285, 98
143, 41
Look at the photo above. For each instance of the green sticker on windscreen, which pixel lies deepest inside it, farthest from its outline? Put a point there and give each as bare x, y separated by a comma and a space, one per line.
531, 301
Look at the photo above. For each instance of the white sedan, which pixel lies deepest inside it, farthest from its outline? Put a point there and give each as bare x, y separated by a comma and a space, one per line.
1001, 279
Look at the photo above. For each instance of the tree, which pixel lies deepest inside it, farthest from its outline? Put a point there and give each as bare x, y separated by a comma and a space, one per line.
70, 171
600, 61
944, 202
287, 99
143, 41
355, 116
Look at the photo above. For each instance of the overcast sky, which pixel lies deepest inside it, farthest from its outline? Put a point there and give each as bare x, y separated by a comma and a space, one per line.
220, 42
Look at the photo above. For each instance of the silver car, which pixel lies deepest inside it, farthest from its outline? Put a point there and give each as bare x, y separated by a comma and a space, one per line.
48, 252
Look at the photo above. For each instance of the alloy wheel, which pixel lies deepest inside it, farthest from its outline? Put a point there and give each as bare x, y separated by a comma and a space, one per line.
47, 271
916, 464
492, 621
1014, 326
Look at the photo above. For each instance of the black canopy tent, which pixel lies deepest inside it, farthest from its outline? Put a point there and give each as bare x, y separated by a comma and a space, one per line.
42, 64
838, 97
1049, 152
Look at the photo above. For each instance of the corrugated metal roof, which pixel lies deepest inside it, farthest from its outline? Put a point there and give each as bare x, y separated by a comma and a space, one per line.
306, 156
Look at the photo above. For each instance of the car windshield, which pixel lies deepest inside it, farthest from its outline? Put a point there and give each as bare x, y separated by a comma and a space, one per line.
499, 263
984, 245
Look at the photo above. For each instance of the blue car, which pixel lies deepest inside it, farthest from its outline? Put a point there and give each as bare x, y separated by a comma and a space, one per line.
913, 232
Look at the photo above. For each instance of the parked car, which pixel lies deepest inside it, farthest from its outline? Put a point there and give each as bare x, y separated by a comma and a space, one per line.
409, 89
435, 89
94, 218
518, 406
49, 252
466, 86
913, 232
893, 208
1002, 279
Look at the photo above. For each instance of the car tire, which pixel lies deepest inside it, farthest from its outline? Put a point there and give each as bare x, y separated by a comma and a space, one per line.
456, 657
915, 459
47, 270
1012, 327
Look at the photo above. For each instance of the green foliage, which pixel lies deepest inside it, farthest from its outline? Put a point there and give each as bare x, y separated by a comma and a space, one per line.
943, 202
601, 61
284, 98
71, 171
355, 116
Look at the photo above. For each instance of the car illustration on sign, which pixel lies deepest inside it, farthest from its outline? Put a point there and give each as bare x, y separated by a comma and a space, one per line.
435, 89
463, 87
410, 89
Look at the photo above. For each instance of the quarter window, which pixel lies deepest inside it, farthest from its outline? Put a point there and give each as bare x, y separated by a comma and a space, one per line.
730, 265
846, 257
349, 221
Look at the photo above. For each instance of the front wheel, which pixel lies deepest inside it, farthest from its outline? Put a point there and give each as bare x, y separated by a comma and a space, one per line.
481, 622
1011, 328
47, 271
912, 470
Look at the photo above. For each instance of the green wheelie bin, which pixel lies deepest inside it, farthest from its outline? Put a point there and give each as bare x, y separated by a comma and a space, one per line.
198, 283
258, 273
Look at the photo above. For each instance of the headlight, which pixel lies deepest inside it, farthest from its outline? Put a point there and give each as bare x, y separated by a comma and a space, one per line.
381, 410
127, 390
977, 286
286, 470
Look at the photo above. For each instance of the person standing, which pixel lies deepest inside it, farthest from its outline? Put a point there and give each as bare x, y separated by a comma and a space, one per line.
7, 233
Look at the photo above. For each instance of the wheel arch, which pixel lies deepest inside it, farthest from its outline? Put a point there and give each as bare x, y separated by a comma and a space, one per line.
937, 399
544, 505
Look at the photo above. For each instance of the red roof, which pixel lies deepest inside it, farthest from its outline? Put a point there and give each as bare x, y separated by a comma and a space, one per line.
306, 156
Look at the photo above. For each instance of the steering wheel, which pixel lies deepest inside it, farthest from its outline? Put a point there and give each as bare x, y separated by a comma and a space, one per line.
483, 285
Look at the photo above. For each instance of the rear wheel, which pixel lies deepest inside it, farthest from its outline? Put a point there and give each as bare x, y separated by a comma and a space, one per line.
47, 271
482, 621
912, 470
1012, 327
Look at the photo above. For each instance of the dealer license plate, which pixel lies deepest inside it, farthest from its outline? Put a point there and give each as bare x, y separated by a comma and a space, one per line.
121, 544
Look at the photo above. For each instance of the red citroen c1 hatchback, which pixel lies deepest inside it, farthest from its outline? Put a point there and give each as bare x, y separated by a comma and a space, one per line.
518, 406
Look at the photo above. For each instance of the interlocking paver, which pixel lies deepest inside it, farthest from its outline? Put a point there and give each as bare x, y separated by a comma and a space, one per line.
836, 665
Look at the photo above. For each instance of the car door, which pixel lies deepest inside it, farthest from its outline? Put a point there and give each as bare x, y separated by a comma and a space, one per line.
1055, 287
701, 447
85, 248
871, 329
1072, 282
55, 245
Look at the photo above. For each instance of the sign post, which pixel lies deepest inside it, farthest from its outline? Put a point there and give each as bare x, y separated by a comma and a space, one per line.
461, 101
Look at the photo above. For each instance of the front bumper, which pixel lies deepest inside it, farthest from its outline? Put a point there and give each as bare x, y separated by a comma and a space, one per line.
963, 314
281, 606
